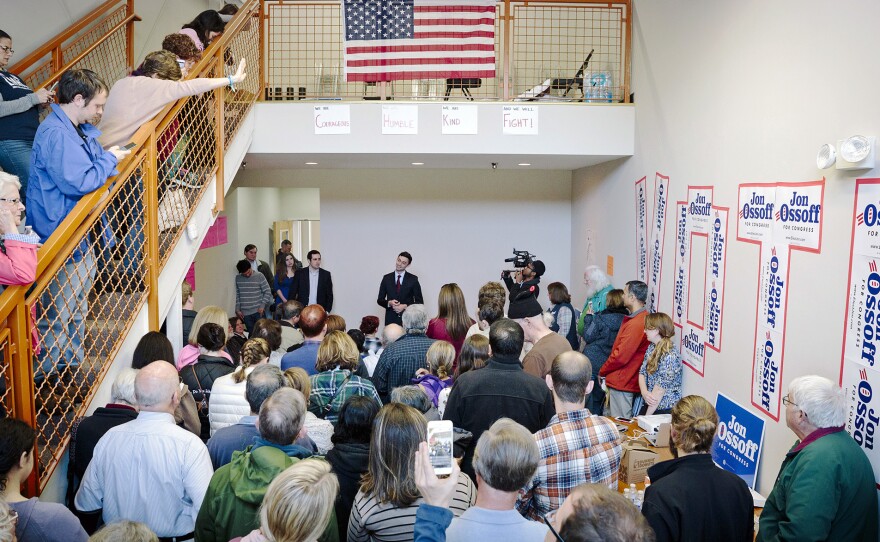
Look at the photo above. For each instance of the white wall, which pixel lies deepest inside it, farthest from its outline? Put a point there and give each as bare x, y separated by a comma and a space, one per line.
459, 226
734, 92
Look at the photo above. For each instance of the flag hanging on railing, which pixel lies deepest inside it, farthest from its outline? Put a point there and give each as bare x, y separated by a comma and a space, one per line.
389, 40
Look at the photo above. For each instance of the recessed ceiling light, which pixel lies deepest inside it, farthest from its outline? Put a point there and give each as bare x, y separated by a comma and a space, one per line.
311, 163
418, 163
524, 164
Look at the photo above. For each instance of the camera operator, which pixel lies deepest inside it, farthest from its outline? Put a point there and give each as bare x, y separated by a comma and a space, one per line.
525, 279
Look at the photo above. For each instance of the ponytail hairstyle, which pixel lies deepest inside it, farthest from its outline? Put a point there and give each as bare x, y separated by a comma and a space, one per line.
440, 358
694, 422
253, 351
662, 323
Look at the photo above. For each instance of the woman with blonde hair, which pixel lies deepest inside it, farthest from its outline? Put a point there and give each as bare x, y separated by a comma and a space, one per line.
338, 358
320, 431
690, 497
452, 321
437, 377
385, 507
228, 403
660, 375
298, 504
189, 354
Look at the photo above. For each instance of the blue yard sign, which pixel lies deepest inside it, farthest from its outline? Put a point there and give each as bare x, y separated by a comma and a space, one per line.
737, 444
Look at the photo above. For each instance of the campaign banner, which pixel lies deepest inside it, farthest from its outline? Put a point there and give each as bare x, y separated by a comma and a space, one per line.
641, 230
716, 264
860, 335
767, 371
737, 444
863, 411
798, 217
756, 206
693, 347
773, 287
866, 230
699, 208
682, 265
658, 234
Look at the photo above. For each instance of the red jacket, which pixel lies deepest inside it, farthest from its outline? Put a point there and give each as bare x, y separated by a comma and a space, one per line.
621, 369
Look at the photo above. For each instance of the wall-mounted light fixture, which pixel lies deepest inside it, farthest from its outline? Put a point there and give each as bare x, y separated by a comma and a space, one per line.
855, 152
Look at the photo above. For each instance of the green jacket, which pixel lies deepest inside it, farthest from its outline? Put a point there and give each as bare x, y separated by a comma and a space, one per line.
598, 300
825, 491
232, 503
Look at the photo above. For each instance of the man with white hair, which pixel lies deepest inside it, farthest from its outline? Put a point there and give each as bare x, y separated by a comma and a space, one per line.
825, 488
149, 469
598, 287
401, 359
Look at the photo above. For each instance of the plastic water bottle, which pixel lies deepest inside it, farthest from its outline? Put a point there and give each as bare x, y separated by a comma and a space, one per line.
640, 498
626, 494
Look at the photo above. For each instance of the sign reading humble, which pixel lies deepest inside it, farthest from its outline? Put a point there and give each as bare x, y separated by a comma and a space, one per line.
392, 40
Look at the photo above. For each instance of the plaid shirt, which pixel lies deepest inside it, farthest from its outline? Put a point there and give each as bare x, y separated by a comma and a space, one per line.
331, 387
399, 361
575, 448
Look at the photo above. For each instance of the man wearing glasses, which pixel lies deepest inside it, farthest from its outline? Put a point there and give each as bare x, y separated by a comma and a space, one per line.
825, 487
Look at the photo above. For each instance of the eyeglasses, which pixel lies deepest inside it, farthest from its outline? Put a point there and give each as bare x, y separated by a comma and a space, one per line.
548, 519
14, 201
6, 49
787, 401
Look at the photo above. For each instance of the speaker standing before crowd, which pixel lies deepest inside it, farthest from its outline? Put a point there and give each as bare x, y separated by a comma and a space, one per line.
398, 290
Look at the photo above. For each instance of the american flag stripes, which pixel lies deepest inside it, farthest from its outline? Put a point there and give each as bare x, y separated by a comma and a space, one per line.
390, 40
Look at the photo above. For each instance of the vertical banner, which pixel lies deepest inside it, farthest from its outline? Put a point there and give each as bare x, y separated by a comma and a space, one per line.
682, 265
859, 359
716, 265
779, 217
641, 231
658, 234
737, 444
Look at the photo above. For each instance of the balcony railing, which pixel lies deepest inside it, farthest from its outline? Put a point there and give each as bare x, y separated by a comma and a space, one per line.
147, 206
537, 44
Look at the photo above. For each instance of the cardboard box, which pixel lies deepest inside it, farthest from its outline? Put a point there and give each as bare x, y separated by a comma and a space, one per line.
637, 459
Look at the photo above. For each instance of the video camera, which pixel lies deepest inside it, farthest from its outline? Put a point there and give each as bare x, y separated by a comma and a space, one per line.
521, 258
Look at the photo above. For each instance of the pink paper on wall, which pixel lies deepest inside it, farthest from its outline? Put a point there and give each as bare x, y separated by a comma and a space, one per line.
191, 276
217, 234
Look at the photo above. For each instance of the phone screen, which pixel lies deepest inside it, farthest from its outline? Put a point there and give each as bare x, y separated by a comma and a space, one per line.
440, 446
129, 146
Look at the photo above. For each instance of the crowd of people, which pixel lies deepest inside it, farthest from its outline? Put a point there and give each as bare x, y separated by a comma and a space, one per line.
296, 428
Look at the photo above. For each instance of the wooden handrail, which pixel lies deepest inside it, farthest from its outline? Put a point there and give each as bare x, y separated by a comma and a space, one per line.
58, 40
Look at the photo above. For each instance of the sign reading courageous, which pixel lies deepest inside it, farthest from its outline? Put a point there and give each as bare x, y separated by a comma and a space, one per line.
780, 217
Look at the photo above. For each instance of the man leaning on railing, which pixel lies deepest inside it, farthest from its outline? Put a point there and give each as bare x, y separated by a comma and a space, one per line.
67, 163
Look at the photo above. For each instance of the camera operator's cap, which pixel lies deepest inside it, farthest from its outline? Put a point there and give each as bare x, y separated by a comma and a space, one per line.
539, 268
524, 306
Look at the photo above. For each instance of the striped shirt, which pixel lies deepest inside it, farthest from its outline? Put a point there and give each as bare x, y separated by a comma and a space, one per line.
251, 293
148, 470
373, 521
575, 448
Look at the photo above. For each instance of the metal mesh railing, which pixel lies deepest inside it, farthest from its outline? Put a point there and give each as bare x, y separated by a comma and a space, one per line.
547, 42
101, 265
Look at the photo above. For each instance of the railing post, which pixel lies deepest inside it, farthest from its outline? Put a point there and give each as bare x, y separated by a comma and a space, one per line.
22, 378
263, 49
219, 143
151, 229
507, 47
129, 36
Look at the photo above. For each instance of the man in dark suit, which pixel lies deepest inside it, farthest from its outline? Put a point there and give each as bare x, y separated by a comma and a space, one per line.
398, 290
312, 285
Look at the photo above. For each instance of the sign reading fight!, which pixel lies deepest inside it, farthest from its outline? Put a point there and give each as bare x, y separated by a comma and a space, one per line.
779, 217
519, 120
859, 362
737, 444
658, 234
641, 230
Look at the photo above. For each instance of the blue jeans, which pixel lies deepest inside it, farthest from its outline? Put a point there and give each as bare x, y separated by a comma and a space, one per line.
15, 158
62, 324
251, 319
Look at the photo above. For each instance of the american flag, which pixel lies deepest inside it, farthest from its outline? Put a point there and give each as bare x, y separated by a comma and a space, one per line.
389, 40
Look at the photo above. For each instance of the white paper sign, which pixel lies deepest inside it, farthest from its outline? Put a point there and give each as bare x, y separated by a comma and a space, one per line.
799, 215
773, 287
400, 119
767, 371
519, 120
699, 208
757, 207
658, 236
332, 119
682, 265
693, 347
641, 231
458, 119
715, 268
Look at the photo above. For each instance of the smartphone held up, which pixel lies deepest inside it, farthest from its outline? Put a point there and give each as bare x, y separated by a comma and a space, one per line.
440, 446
